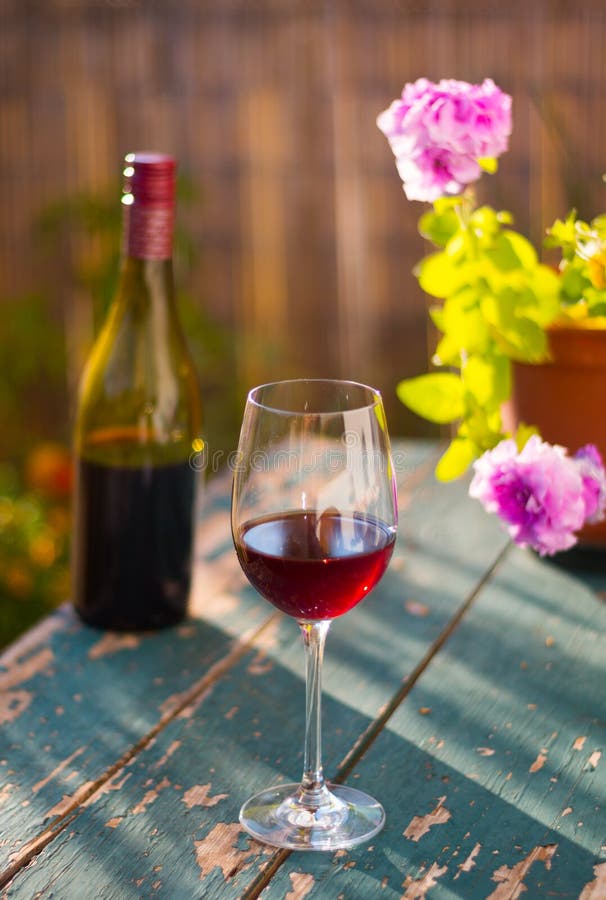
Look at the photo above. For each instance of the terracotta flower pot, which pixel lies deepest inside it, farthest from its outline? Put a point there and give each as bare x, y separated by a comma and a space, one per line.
566, 397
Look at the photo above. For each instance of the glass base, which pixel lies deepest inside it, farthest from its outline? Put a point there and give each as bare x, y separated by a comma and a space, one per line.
333, 818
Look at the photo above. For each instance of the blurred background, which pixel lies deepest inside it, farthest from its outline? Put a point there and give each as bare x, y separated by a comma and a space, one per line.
295, 241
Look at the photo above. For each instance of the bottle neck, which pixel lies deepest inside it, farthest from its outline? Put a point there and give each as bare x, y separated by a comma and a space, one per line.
146, 282
148, 231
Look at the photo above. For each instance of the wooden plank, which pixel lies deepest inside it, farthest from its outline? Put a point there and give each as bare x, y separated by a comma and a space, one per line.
493, 769
74, 700
166, 825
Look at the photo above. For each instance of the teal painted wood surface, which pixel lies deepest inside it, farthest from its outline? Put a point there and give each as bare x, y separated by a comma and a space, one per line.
493, 766
75, 700
471, 677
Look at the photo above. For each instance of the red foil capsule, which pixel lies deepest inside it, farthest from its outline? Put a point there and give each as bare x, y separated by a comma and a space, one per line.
149, 205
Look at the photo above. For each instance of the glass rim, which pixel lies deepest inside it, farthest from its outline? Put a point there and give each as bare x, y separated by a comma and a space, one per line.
375, 393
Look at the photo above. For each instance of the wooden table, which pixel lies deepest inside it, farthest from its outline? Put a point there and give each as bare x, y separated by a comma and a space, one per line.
466, 693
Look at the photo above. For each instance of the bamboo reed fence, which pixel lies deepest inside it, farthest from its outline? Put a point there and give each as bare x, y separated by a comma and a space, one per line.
306, 240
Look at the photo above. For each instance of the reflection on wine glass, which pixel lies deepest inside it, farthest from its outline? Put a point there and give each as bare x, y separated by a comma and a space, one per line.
314, 524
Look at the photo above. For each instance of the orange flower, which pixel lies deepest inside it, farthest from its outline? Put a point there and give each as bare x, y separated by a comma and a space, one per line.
49, 471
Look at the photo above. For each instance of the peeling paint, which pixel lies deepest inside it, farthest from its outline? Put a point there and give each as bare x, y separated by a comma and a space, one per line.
150, 797
596, 889
416, 889
538, 763
168, 706
416, 609
579, 743
112, 643
302, 883
469, 863
113, 823
231, 712
112, 784
260, 665
31, 640
420, 825
485, 751
198, 795
13, 703
19, 670
511, 879
69, 800
57, 770
188, 711
567, 811
4, 792
218, 850
592, 762
172, 749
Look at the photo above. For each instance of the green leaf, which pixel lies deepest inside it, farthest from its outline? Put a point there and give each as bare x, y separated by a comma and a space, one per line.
458, 247
441, 276
437, 275
447, 353
485, 222
517, 336
573, 283
464, 323
596, 301
545, 285
488, 379
459, 455
523, 249
439, 227
563, 234
510, 251
437, 396
436, 314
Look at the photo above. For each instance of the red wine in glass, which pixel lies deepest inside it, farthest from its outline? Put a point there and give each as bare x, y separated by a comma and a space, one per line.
311, 565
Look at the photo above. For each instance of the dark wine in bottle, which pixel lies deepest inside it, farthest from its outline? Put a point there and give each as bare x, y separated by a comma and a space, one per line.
138, 422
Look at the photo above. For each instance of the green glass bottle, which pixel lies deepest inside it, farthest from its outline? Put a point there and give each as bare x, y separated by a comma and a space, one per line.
138, 422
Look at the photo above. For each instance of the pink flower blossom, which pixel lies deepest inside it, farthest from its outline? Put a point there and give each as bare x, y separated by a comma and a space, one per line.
438, 132
591, 470
543, 495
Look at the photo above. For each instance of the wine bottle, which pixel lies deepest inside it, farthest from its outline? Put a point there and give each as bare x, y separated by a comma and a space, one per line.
138, 421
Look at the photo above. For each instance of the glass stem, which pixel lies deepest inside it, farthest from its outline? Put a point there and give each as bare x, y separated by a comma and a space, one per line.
313, 789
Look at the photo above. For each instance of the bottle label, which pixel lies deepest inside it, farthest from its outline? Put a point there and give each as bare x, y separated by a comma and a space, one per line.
149, 231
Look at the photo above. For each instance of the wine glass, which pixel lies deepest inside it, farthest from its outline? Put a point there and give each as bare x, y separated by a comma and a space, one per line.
314, 518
